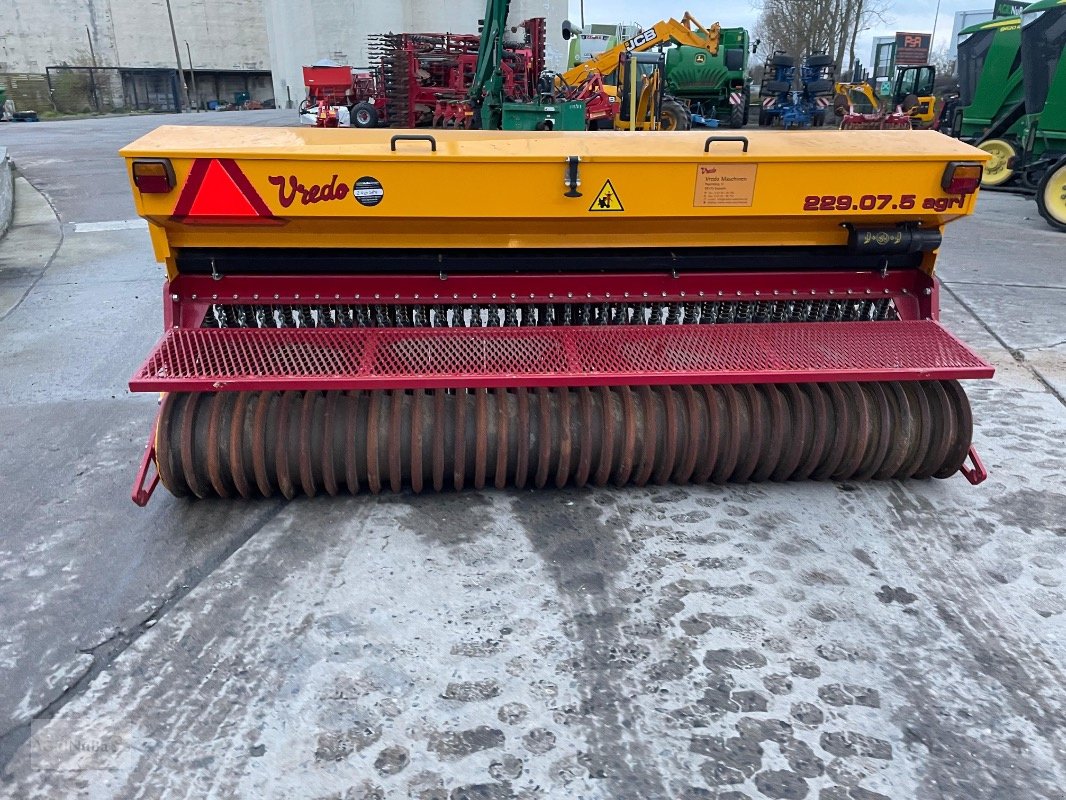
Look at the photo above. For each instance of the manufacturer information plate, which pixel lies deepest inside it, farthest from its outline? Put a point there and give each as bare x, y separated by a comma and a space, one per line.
724, 185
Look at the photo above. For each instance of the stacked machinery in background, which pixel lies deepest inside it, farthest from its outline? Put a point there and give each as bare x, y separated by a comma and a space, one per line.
911, 105
420, 71
703, 70
415, 76
465, 80
705, 77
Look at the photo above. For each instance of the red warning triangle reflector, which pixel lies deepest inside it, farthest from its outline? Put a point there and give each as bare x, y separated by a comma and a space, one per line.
217, 192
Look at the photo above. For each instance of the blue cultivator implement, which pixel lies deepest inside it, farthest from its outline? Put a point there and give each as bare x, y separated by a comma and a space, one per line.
788, 106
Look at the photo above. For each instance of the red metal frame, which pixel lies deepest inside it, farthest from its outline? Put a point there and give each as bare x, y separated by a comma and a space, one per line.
977, 473
187, 297
141, 494
192, 358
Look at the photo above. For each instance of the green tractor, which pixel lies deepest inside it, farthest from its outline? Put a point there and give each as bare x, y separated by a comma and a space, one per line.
1041, 159
991, 103
1013, 103
715, 86
1042, 162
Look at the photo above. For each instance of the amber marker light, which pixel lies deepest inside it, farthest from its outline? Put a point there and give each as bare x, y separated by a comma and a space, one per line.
153, 175
961, 177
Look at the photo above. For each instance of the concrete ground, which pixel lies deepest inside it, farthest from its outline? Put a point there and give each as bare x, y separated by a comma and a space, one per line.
818, 640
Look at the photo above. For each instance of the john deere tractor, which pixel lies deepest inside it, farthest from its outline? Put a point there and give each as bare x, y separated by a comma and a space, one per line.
714, 85
1024, 131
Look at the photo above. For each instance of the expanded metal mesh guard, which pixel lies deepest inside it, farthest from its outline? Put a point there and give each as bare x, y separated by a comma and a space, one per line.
366, 358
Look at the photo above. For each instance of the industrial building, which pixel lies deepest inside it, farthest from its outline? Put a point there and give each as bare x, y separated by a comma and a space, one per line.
137, 53
101, 55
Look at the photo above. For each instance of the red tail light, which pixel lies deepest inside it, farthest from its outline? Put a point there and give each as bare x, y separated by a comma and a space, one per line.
962, 177
153, 175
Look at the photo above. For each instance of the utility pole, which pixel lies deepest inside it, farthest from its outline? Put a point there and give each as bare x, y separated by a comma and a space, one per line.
932, 36
92, 70
582, 14
177, 57
192, 74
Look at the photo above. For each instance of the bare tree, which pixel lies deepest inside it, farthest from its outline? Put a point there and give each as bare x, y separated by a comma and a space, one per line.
801, 27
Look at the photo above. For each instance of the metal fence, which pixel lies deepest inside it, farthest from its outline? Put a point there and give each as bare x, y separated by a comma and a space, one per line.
28, 90
76, 90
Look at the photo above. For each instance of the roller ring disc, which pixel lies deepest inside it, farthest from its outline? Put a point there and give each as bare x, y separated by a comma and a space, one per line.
459, 467
838, 437
710, 423
521, 470
943, 433
260, 424
481, 437
692, 443
307, 408
502, 440
566, 438
770, 458
329, 426
438, 439
584, 461
859, 434
395, 451
188, 445
919, 408
757, 432
607, 423
236, 446
373, 422
651, 432
819, 426
901, 431
281, 448
418, 397
963, 430
629, 436
164, 451
544, 439
797, 413
668, 463
226, 424
881, 419
726, 463
214, 443
351, 471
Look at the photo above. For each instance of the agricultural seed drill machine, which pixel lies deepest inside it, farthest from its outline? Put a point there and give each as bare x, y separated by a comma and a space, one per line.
351, 310
416, 75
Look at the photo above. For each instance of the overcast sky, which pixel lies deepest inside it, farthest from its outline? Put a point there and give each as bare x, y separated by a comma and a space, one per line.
914, 16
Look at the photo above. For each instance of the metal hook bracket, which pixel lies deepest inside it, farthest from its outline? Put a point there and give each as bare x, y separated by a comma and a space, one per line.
572, 180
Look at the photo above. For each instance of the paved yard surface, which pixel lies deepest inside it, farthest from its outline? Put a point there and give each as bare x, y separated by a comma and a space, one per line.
829, 641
